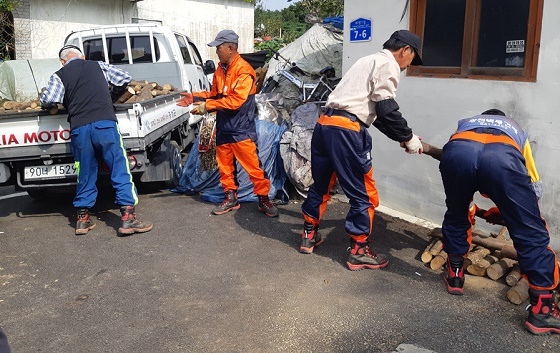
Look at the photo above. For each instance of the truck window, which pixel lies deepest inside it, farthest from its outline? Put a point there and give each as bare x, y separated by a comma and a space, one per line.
196, 54
118, 53
184, 49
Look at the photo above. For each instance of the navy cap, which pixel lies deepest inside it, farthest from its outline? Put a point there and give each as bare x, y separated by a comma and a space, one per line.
411, 39
225, 36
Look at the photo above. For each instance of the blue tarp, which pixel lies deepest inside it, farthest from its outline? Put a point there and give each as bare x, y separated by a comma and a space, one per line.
193, 180
337, 22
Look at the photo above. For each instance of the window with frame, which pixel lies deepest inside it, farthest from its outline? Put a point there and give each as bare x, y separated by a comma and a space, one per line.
482, 39
184, 49
117, 49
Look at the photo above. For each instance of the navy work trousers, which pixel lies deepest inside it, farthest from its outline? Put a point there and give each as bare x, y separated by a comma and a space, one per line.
498, 171
92, 144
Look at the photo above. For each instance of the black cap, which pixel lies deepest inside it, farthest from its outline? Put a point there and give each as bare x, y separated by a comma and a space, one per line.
68, 46
411, 39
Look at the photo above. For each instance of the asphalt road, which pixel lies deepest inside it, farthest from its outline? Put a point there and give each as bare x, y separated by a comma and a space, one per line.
233, 283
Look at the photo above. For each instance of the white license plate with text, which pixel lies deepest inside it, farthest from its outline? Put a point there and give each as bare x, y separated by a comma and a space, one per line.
50, 171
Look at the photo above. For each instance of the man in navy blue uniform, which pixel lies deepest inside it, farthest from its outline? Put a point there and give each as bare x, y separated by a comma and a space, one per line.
83, 87
490, 153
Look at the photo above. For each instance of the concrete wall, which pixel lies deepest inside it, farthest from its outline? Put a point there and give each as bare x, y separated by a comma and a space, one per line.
412, 184
42, 25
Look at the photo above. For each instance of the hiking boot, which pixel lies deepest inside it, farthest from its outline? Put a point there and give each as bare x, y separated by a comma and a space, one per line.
129, 223
84, 223
267, 207
230, 203
310, 238
454, 276
361, 256
544, 316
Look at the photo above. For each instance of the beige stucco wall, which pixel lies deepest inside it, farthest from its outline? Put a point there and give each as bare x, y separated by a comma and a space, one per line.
49, 21
411, 183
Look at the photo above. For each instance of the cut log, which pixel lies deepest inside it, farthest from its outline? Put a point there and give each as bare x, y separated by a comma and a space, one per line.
168, 87
438, 246
479, 268
519, 293
131, 99
34, 104
157, 93
156, 86
137, 88
438, 260
426, 254
513, 276
126, 95
144, 96
140, 83
500, 268
501, 235
8, 105
475, 255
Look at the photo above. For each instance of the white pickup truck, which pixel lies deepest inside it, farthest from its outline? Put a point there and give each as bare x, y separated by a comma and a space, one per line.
35, 153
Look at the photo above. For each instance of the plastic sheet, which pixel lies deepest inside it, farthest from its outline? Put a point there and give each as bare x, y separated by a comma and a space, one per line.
194, 180
29, 76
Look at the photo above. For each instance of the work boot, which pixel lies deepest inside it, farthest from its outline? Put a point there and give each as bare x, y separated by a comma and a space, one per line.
84, 223
362, 256
454, 275
129, 223
310, 238
544, 316
267, 207
230, 203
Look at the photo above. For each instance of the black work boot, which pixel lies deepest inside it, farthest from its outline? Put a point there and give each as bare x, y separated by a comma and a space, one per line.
310, 238
129, 223
230, 203
544, 316
84, 223
361, 256
454, 275
267, 207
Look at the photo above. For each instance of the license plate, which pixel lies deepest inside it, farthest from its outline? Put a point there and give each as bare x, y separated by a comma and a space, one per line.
49, 171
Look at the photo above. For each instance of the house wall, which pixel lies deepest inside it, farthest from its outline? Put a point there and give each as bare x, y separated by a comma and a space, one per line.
42, 25
411, 183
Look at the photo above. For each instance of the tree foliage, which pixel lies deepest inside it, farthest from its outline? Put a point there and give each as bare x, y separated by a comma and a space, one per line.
285, 25
8, 5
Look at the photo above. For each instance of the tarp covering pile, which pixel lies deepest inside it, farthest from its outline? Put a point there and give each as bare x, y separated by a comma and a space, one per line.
207, 183
317, 48
29, 76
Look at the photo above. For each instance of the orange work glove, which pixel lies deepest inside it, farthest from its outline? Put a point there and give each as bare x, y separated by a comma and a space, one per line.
493, 216
186, 100
199, 108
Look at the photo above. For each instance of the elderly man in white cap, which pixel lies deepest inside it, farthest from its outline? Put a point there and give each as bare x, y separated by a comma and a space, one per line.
232, 97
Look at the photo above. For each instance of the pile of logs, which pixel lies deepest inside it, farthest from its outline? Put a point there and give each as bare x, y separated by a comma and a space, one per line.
12, 106
136, 91
139, 91
490, 255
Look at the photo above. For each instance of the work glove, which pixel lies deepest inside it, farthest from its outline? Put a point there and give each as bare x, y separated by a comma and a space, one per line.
413, 145
199, 108
493, 216
186, 100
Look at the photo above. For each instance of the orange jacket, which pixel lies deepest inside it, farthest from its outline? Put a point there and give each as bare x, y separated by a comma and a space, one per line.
232, 96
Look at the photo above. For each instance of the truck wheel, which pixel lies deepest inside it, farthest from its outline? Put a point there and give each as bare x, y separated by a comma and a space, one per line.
175, 164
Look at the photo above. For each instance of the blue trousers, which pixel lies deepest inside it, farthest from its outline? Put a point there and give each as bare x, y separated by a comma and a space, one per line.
498, 171
92, 144
341, 148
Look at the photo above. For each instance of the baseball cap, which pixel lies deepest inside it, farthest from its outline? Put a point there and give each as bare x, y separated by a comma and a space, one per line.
411, 39
225, 36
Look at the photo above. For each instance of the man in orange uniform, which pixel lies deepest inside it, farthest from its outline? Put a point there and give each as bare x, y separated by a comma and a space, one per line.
233, 98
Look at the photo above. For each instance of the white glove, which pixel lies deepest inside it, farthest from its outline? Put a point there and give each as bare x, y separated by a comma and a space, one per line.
414, 145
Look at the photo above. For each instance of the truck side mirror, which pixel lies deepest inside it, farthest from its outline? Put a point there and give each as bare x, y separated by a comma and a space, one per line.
209, 67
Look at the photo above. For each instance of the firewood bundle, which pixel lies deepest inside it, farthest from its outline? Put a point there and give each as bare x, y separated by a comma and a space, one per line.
490, 256
140, 91
13, 106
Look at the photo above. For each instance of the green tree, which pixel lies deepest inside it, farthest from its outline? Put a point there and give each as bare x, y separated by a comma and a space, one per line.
7, 40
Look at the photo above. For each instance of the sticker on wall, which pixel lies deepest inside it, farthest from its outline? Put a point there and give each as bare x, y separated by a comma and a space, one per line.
515, 46
360, 30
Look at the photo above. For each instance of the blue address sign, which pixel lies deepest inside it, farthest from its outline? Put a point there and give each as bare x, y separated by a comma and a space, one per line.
360, 30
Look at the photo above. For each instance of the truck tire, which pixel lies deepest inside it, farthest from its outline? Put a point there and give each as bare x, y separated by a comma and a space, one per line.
175, 164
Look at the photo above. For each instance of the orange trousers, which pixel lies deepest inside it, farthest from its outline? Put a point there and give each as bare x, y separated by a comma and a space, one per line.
245, 152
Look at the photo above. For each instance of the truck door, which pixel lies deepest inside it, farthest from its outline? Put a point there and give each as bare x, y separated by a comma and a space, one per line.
192, 64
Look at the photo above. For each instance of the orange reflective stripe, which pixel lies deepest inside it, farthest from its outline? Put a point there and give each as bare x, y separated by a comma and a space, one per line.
556, 274
485, 138
372, 196
339, 121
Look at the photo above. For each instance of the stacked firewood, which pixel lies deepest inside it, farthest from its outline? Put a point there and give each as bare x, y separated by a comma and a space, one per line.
140, 91
13, 106
491, 256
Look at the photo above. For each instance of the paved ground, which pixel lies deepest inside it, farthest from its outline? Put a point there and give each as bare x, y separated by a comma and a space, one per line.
233, 283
